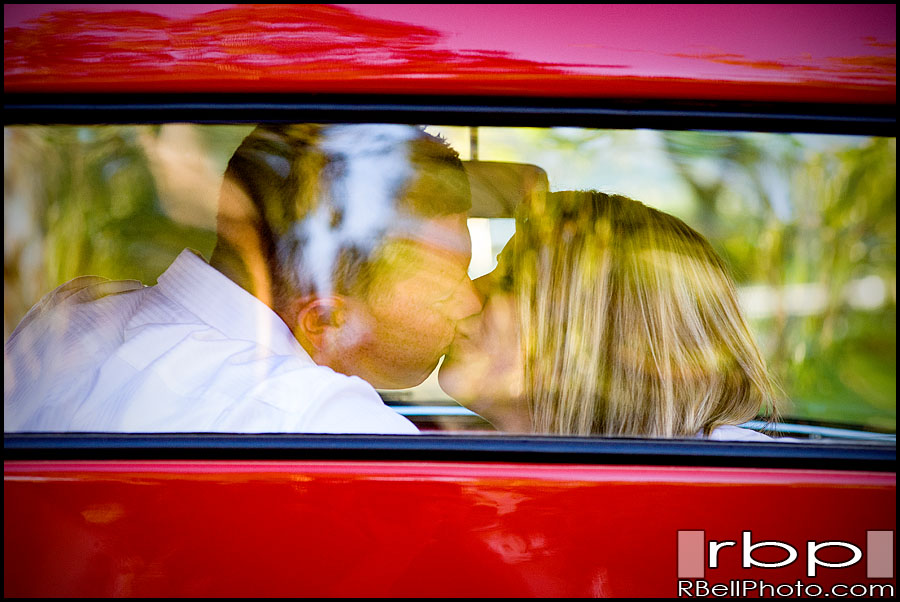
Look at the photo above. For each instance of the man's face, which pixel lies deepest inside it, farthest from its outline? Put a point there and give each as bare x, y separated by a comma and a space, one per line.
421, 289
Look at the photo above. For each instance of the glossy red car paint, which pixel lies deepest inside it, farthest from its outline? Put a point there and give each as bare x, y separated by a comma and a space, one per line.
795, 53
283, 528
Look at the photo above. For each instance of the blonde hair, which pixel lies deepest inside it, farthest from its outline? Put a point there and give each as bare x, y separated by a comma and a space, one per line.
630, 323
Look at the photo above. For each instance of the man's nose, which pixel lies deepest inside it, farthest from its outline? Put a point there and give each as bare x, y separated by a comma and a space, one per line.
468, 301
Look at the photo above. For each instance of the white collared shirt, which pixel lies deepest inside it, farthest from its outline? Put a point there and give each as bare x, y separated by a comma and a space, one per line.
195, 353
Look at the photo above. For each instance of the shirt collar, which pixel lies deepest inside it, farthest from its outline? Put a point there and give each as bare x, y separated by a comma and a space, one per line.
221, 303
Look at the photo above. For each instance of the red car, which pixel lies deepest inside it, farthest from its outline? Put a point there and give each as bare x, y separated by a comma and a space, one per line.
770, 127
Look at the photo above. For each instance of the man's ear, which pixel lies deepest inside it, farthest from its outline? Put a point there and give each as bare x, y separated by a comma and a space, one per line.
319, 318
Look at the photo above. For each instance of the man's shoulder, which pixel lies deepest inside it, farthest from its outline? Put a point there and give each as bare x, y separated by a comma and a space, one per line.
78, 292
87, 312
226, 365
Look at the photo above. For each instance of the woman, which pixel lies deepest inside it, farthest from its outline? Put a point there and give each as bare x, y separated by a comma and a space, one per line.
607, 317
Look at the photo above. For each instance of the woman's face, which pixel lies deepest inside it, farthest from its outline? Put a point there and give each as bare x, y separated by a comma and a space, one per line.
484, 368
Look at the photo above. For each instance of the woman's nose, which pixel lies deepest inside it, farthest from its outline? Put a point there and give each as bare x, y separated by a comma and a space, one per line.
469, 300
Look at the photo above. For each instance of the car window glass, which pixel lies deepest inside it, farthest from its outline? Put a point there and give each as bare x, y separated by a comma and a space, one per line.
805, 223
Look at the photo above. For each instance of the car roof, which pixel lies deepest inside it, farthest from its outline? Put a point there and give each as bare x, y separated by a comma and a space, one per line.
774, 53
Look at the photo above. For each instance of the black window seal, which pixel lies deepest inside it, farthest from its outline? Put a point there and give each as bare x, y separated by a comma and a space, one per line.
782, 117
451, 448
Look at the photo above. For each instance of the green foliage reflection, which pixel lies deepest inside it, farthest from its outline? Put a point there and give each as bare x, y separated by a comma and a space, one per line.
821, 213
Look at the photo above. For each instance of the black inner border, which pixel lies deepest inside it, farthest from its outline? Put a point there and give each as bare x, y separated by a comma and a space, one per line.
450, 448
83, 109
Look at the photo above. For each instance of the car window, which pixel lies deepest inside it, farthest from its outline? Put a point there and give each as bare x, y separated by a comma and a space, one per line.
806, 224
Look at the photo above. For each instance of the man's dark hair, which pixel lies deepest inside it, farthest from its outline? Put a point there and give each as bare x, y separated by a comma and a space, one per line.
321, 199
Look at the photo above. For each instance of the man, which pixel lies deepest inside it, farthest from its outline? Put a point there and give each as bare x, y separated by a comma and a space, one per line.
340, 265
